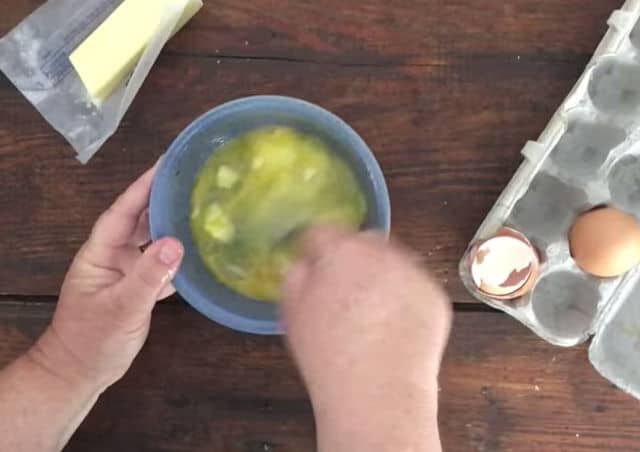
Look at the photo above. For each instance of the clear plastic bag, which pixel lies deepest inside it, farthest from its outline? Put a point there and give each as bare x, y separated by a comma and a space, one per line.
35, 57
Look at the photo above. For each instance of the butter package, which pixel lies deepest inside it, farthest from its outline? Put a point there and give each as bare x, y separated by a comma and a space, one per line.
81, 62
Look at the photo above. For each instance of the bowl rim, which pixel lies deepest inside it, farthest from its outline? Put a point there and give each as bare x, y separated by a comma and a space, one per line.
207, 307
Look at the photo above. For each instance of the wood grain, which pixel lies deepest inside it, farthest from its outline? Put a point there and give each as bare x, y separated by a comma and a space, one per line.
199, 387
445, 92
383, 32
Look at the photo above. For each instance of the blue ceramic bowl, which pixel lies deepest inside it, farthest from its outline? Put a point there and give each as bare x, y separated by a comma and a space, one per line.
174, 180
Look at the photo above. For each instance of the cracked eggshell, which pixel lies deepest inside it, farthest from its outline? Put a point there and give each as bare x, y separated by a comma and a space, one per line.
504, 267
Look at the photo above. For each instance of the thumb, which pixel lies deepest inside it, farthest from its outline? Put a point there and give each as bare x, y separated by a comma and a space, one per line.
142, 286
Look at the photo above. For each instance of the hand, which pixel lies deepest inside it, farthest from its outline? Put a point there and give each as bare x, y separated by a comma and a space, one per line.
104, 311
368, 327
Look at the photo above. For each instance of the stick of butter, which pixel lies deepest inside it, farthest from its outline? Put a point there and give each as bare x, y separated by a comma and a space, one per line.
111, 52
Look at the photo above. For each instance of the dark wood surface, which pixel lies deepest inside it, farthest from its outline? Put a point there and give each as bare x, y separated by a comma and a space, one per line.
445, 92
199, 387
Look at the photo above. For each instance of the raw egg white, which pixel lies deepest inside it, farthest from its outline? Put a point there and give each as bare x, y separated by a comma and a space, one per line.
605, 242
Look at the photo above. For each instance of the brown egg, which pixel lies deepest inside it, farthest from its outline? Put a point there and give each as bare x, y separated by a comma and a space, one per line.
605, 242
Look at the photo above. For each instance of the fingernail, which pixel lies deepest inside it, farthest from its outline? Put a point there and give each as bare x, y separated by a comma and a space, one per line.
170, 253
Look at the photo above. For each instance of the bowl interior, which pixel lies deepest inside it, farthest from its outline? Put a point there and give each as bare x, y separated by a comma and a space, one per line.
171, 194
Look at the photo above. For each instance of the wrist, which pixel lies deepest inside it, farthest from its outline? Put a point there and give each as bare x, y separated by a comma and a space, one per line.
41, 400
52, 358
396, 417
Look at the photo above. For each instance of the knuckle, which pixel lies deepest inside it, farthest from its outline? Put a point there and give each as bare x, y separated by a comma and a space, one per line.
148, 279
119, 305
361, 248
104, 216
102, 220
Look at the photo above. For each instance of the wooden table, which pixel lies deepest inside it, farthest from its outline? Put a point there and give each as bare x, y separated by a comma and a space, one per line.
445, 91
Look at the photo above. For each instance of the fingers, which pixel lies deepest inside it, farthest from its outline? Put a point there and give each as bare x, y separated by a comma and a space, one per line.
320, 244
296, 281
117, 226
127, 259
316, 241
150, 277
142, 234
167, 292
319, 241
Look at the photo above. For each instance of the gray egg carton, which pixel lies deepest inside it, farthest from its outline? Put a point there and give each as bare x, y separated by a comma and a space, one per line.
588, 155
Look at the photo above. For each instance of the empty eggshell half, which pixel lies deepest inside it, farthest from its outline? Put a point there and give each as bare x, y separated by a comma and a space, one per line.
605, 242
504, 266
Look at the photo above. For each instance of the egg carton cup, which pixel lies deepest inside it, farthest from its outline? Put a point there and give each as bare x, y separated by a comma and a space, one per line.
587, 156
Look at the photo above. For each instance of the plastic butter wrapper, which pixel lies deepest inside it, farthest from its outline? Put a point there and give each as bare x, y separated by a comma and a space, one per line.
587, 156
36, 57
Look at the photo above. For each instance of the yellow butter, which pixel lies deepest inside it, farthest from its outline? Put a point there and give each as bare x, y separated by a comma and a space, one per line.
111, 52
